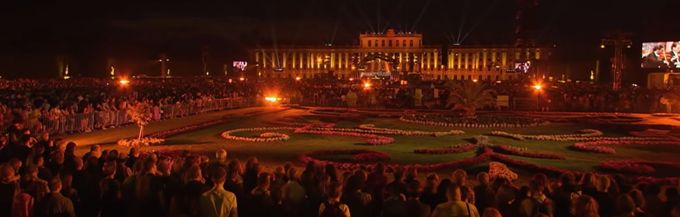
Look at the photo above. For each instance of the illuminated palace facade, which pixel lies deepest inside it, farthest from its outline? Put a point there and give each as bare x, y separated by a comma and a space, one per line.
392, 54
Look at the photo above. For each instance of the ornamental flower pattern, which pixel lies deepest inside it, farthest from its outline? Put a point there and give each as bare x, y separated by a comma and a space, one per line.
596, 146
145, 141
424, 120
365, 158
584, 135
264, 137
500, 170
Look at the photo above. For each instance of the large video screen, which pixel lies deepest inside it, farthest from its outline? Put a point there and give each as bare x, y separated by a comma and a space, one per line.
240, 65
664, 54
522, 67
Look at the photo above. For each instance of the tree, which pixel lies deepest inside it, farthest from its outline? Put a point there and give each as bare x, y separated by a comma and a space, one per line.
141, 115
469, 96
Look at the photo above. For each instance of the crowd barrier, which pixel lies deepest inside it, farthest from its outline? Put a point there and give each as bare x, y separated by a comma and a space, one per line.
74, 123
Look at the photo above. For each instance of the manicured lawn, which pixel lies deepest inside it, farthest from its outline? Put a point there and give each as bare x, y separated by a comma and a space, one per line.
206, 141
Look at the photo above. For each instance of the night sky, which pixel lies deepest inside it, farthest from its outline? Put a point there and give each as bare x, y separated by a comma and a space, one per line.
89, 36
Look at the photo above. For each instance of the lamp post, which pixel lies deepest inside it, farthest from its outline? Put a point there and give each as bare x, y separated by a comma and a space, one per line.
538, 88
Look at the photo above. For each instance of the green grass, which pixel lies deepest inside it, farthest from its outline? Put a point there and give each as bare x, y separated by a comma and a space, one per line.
206, 141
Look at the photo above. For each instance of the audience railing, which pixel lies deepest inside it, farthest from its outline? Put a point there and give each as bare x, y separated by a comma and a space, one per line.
87, 122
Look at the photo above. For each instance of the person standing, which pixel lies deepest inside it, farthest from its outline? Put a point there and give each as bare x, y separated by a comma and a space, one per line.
455, 205
218, 202
54, 204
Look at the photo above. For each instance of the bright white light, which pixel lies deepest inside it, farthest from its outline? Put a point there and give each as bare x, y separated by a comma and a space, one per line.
537, 87
271, 99
124, 82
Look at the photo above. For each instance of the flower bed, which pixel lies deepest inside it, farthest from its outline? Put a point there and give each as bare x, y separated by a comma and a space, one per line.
500, 170
526, 165
307, 157
452, 150
478, 122
264, 137
372, 138
646, 134
596, 146
167, 133
388, 131
584, 135
513, 151
159, 137
625, 166
144, 141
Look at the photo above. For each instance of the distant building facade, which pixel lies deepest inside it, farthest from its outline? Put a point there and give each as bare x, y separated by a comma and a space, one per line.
393, 54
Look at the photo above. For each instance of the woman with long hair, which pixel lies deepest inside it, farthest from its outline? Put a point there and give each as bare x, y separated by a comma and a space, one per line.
586, 206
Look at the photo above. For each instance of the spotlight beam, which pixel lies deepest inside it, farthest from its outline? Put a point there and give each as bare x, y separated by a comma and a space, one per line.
420, 16
480, 19
363, 15
462, 18
343, 9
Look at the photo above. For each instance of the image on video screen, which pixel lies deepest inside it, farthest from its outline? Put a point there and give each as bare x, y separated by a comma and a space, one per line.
663, 54
240, 65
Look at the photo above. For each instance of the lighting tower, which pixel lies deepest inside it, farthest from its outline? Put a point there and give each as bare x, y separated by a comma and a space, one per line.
619, 40
163, 60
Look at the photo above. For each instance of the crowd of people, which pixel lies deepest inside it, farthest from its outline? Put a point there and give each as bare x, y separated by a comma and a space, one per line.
47, 105
39, 178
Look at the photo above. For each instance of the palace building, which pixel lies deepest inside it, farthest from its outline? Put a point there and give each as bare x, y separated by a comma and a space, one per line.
392, 54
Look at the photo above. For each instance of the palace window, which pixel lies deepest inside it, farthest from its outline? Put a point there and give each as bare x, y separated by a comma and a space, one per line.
376, 43
369, 43
455, 77
396, 42
390, 43
383, 43
404, 43
411, 43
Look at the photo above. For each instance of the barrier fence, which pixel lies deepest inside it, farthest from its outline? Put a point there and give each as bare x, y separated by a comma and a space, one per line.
73, 123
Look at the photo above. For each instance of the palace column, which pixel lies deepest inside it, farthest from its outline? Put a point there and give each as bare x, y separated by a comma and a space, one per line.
458, 62
450, 60
285, 57
484, 57
332, 56
465, 59
347, 59
422, 60
436, 62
